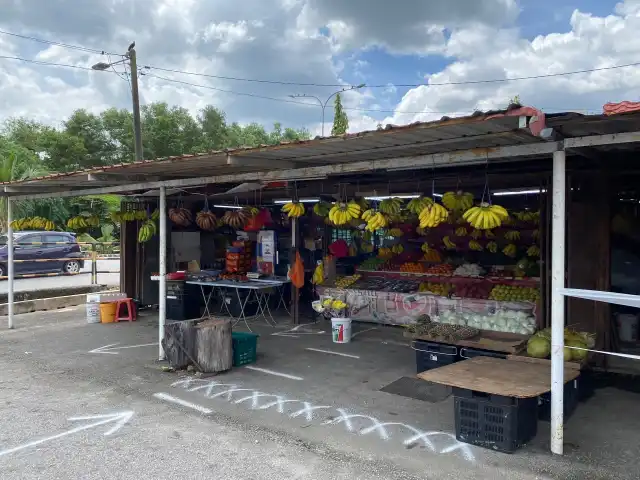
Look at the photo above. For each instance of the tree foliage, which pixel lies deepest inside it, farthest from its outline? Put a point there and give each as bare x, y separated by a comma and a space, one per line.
85, 140
340, 119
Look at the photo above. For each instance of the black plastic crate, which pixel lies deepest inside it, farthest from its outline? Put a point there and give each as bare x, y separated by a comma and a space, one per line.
433, 355
570, 402
466, 353
494, 421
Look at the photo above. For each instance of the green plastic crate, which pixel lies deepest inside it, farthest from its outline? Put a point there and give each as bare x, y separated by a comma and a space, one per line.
245, 348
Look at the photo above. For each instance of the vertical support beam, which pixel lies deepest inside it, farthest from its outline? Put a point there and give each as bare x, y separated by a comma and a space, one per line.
557, 300
295, 292
10, 260
162, 258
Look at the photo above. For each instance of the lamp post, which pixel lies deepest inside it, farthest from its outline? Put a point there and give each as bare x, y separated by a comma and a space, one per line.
130, 56
324, 105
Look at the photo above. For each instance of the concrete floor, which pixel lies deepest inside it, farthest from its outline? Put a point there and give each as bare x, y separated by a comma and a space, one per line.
307, 413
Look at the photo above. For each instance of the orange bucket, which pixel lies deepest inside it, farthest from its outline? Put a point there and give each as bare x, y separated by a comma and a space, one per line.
108, 312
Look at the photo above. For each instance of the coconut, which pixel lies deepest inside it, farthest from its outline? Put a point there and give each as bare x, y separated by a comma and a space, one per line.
568, 354
577, 354
538, 347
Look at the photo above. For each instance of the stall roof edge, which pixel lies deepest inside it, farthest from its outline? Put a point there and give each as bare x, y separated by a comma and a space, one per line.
481, 131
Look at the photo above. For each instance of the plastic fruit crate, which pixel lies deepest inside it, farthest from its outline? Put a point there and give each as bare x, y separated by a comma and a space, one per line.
570, 402
493, 421
245, 348
433, 355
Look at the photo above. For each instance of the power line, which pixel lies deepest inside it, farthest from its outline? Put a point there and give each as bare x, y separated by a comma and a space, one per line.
284, 100
50, 64
301, 84
60, 44
336, 85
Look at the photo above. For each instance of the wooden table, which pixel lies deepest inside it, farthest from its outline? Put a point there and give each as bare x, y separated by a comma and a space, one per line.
497, 376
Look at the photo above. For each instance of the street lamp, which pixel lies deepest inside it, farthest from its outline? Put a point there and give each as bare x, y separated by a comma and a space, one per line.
130, 56
324, 105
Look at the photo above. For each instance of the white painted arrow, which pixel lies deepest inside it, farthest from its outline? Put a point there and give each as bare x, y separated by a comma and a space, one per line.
109, 348
118, 419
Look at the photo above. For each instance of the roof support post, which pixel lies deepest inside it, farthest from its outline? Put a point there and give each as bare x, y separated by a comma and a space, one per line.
162, 284
10, 262
558, 300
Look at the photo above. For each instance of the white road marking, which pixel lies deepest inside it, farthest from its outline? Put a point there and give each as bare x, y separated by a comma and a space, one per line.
330, 352
109, 348
178, 401
271, 372
120, 420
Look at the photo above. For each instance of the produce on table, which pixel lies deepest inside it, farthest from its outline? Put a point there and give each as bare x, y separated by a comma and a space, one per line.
321, 209
342, 212
469, 270
474, 245
461, 232
432, 256
433, 215
539, 345
179, 216
511, 321
391, 206
444, 269
441, 289
476, 234
533, 251
457, 201
385, 252
397, 249
293, 209
510, 250
513, 293
347, 281
448, 243
366, 248
413, 267
485, 216
395, 232
440, 331
473, 290
416, 205
489, 234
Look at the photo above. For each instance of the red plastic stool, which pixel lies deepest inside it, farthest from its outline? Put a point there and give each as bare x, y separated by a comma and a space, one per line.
131, 310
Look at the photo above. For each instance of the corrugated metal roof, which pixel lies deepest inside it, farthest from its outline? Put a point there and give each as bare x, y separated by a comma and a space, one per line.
478, 131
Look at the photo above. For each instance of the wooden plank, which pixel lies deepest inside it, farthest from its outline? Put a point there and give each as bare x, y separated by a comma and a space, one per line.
497, 376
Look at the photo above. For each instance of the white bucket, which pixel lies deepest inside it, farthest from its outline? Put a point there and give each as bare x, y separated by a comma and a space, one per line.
627, 327
93, 312
341, 330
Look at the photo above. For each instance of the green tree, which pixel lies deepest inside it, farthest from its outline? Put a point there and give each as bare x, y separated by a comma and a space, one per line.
118, 126
90, 129
340, 119
168, 131
213, 126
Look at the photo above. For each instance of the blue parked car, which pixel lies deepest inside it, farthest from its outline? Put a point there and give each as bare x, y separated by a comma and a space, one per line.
65, 257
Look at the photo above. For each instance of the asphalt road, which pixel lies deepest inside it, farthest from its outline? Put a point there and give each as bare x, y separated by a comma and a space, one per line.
41, 283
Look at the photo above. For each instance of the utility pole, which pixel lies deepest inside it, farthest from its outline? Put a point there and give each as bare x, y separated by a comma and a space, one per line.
130, 56
137, 128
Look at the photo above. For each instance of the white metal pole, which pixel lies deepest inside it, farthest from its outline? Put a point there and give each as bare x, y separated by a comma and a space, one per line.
557, 301
10, 260
162, 257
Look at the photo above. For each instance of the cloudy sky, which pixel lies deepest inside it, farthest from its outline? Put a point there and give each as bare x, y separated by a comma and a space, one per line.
314, 46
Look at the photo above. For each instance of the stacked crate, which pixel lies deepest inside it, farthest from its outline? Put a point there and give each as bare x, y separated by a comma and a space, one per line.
238, 257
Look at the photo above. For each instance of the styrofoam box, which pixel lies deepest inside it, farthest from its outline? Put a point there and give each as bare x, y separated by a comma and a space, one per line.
106, 297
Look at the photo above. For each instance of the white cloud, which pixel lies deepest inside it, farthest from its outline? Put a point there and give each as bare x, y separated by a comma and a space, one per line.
312, 41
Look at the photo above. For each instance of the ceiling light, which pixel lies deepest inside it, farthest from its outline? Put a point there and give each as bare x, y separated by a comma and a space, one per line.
301, 200
237, 207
